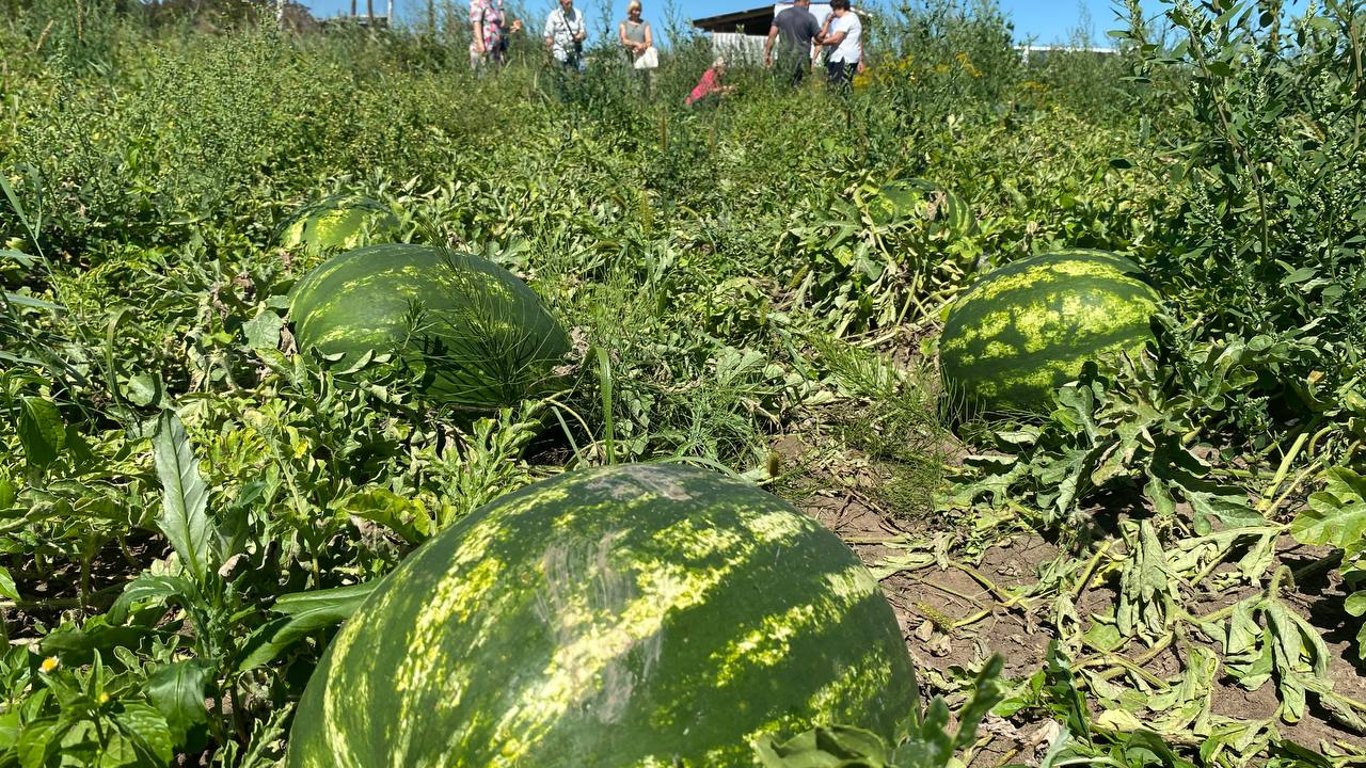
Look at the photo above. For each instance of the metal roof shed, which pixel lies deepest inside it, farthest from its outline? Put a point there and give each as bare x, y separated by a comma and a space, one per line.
740, 35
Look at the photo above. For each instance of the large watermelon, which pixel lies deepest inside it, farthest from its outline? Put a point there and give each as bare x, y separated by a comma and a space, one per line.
473, 335
639, 615
1026, 328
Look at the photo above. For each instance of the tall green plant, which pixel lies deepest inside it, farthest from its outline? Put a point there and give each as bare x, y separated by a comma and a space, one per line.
1259, 139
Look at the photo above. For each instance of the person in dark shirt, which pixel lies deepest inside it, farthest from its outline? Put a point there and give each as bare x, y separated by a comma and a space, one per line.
794, 28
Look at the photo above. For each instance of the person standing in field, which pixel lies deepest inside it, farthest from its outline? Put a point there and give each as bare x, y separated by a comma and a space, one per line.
634, 33
565, 32
489, 39
794, 28
843, 39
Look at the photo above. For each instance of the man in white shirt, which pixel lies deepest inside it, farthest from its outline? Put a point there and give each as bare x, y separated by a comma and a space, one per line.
565, 32
843, 38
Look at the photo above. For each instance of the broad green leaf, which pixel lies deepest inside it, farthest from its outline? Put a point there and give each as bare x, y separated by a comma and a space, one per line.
1163, 503
76, 645
263, 331
340, 602
10, 725
42, 432
304, 612
19, 257
8, 590
400, 515
15, 203
1104, 636
178, 691
1335, 516
142, 389
18, 299
184, 500
1301, 757
1143, 748
986, 693
149, 588
1064, 697
836, 746
929, 746
147, 732
37, 740
1356, 603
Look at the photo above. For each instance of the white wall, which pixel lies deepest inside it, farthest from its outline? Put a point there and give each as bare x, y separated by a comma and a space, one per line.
739, 48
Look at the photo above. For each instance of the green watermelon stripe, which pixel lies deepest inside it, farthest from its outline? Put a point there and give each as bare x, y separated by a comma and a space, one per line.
1027, 327
469, 333
1123, 301
606, 618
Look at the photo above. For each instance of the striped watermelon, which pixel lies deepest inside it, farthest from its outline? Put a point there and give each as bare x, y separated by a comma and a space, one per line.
638, 615
471, 333
338, 223
1026, 328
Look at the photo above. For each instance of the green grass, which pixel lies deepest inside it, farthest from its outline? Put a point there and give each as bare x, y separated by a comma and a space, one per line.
736, 281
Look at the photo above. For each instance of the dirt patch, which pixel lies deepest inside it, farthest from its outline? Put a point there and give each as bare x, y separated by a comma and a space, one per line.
955, 610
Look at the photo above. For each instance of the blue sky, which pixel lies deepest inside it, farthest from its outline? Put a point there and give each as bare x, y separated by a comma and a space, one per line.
1043, 20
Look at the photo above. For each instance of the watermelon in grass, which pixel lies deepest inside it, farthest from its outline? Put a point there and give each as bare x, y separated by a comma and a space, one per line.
338, 223
471, 334
638, 615
1028, 327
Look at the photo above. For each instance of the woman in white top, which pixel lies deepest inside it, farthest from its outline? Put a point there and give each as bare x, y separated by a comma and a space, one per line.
843, 39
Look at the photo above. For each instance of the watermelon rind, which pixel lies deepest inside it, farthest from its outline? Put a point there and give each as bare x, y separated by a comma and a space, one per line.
469, 333
338, 223
1028, 327
637, 615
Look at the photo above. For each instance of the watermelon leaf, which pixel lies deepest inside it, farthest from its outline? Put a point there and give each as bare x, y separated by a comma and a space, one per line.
836, 746
931, 745
263, 331
1336, 516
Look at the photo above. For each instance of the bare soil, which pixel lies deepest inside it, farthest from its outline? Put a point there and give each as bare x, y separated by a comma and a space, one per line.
952, 621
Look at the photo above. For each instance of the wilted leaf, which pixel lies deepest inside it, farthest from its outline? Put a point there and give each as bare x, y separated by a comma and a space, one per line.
1145, 598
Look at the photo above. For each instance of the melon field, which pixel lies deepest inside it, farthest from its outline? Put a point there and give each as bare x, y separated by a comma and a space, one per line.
1001, 410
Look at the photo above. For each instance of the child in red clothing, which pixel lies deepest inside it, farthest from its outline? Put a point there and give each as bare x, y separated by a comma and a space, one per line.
710, 83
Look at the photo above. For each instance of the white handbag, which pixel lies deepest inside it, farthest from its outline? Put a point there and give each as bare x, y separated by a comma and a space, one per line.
648, 60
